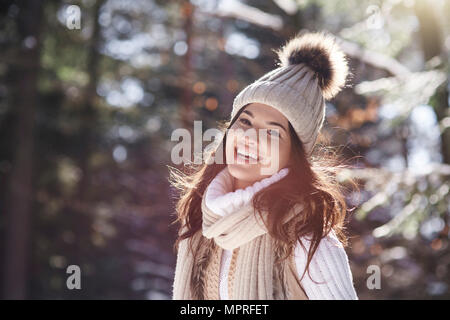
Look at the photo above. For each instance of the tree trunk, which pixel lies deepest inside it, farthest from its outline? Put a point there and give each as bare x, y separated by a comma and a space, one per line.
431, 39
186, 103
25, 97
88, 114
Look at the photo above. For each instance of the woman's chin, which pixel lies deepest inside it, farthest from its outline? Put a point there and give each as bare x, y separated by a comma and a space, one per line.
245, 172
240, 171
249, 172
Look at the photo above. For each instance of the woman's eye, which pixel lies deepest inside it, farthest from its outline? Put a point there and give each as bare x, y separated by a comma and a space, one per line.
274, 133
245, 121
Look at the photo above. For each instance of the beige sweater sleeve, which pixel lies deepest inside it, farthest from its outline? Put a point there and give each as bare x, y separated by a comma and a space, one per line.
330, 270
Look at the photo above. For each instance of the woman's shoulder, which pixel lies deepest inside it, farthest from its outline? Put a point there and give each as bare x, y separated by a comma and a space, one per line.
330, 239
329, 266
329, 248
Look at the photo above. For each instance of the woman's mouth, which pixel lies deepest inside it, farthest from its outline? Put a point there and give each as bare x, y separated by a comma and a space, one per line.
246, 157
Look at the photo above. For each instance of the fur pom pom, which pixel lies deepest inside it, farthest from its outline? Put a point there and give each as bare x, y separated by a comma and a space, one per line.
321, 54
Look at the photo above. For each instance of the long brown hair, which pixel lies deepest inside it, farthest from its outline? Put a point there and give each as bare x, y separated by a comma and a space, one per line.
311, 181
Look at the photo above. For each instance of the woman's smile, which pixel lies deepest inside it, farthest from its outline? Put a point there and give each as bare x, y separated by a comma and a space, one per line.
243, 156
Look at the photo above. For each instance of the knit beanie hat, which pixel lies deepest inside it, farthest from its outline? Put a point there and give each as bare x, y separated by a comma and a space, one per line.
312, 69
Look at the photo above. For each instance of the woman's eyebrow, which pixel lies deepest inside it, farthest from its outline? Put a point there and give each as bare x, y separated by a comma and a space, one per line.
269, 122
249, 113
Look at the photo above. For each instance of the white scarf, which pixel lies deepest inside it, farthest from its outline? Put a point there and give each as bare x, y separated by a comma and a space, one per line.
221, 199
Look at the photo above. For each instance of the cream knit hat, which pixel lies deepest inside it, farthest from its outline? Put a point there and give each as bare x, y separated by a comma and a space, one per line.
312, 69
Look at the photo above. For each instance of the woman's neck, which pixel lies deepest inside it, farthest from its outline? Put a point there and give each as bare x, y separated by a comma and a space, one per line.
241, 184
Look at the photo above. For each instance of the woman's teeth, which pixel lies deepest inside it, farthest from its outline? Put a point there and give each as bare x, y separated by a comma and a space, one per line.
247, 155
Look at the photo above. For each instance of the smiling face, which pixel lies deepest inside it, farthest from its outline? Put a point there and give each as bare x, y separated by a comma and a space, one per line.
258, 144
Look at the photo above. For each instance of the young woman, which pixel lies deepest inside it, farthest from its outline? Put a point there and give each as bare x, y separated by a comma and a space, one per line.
267, 221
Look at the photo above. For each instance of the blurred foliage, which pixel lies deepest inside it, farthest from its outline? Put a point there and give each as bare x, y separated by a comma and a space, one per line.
109, 95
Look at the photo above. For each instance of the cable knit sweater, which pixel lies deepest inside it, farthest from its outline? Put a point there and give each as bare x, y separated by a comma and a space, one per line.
329, 267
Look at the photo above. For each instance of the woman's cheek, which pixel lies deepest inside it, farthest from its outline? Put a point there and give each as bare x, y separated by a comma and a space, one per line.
284, 154
229, 147
275, 154
270, 148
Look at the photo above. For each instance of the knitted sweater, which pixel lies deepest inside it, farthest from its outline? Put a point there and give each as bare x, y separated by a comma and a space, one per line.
257, 271
329, 267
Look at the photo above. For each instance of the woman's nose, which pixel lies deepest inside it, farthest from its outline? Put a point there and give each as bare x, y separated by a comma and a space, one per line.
251, 140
